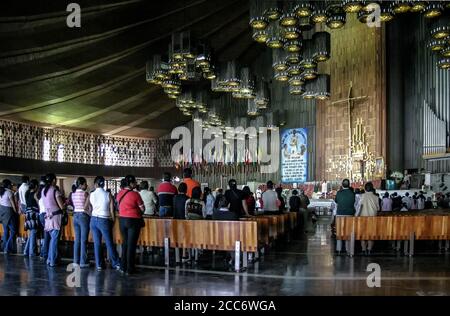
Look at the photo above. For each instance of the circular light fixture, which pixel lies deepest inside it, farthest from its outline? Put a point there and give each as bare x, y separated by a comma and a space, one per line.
272, 13
401, 6
260, 36
321, 45
308, 63
433, 10
437, 45
446, 52
309, 74
281, 76
288, 19
292, 46
294, 70
296, 89
259, 23
209, 75
444, 63
319, 16
352, 6
291, 33
440, 32
296, 81
293, 58
386, 14
336, 21
303, 9
418, 6
280, 66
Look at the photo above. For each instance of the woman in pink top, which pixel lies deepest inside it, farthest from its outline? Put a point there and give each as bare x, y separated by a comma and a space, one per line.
81, 222
53, 209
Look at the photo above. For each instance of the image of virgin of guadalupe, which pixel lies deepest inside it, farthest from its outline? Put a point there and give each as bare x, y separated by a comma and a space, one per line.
294, 142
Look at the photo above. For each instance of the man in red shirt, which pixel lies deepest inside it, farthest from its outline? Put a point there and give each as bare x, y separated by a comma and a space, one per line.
166, 191
191, 183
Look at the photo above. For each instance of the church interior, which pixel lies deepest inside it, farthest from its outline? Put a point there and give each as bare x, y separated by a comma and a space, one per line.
321, 129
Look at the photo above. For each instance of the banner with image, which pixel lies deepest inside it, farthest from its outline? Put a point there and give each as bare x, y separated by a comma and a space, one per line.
294, 155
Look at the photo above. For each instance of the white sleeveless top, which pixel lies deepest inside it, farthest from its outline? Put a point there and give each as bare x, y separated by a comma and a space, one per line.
100, 199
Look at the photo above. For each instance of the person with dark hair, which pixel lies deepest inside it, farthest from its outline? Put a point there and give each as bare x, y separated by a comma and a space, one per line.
45, 241
166, 191
270, 200
54, 210
304, 203
102, 222
21, 191
149, 198
195, 207
31, 218
209, 200
8, 215
81, 222
236, 198
368, 206
179, 202
249, 200
428, 204
191, 183
421, 201
386, 203
345, 200
415, 201
294, 202
282, 204
131, 208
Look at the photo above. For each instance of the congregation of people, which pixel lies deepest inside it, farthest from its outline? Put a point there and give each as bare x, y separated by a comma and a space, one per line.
45, 211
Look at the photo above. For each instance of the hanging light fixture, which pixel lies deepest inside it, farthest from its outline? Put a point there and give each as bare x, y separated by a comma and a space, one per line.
387, 13
282, 117
441, 28
252, 109
246, 85
304, 24
289, 18
322, 47
336, 16
437, 45
292, 46
296, 89
304, 9
274, 39
291, 33
433, 9
296, 81
260, 36
229, 76
262, 94
310, 90
273, 9
294, 70
319, 14
322, 87
418, 6
308, 55
352, 6
279, 60
271, 120
446, 52
156, 71
444, 63
309, 74
293, 58
257, 19
401, 6
281, 76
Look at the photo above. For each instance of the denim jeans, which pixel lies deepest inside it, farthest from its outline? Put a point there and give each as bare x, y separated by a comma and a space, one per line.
130, 229
81, 226
165, 211
30, 245
53, 247
9, 231
102, 228
46, 237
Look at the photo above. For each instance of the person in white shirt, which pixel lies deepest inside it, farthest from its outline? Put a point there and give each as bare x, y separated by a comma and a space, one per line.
368, 205
149, 198
102, 221
407, 200
22, 190
269, 200
209, 200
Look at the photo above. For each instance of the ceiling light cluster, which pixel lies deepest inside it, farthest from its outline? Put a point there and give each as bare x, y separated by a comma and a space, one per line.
440, 41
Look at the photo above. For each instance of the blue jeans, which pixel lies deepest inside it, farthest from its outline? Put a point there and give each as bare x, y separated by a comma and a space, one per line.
30, 245
46, 236
81, 226
102, 227
53, 247
165, 211
9, 231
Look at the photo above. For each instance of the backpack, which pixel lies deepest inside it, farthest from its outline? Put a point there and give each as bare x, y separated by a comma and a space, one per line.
194, 207
221, 202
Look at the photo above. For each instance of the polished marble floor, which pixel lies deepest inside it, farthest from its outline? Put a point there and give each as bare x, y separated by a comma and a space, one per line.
304, 266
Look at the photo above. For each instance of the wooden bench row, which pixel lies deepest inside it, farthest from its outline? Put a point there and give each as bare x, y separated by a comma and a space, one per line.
433, 227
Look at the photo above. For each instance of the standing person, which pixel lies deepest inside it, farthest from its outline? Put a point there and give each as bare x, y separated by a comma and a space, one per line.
236, 198
149, 198
131, 208
282, 204
414, 204
31, 218
195, 207
396, 202
249, 200
421, 201
8, 215
294, 202
269, 200
179, 202
345, 200
102, 222
407, 200
81, 222
386, 203
209, 200
191, 183
368, 206
45, 241
54, 205
166, 191
304, 203
22, 191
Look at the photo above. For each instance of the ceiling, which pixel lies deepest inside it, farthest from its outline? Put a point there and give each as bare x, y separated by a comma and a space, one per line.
92, 78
